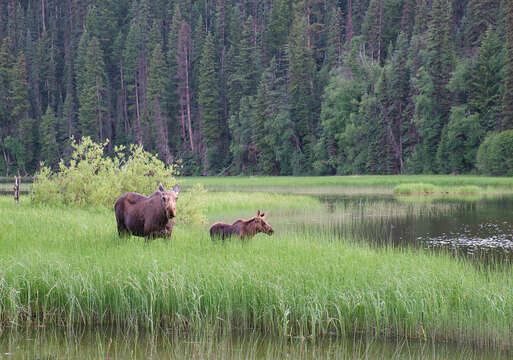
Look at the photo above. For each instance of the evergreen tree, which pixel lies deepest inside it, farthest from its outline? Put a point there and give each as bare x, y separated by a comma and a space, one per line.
433, 101
156, 92
301, 89
277, 30
507, 100
335, 36
485, 88
49, 149
242, 81
18, 98
92, 114
481, 14
211, 110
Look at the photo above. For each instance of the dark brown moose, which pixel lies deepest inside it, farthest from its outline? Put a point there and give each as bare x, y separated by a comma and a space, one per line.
150, 216
244, 229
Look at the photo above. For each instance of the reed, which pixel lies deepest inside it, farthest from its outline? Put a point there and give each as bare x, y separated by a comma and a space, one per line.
68, 267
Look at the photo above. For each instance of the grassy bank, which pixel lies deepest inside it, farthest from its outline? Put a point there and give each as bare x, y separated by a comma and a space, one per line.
428, 189
67, 266
243, 182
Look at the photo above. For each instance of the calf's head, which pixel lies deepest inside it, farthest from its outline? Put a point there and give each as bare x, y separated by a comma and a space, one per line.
168, 199
261, 224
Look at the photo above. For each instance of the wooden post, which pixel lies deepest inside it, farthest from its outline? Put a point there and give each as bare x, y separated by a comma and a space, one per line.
16, 189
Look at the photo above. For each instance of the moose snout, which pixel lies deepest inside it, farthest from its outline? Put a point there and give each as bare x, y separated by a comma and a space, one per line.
270, 231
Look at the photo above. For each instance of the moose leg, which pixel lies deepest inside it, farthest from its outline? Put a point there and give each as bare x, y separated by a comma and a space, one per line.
122, 230
166, 232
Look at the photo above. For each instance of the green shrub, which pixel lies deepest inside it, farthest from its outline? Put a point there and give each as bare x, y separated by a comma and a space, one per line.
495, 155
415, 188
93, 179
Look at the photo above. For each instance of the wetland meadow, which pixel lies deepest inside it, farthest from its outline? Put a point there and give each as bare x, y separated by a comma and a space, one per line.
353, 270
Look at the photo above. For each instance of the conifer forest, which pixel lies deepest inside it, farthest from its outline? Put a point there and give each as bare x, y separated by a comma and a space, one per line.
275, 87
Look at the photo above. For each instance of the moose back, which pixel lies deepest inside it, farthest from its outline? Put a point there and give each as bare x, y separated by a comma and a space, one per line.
148, 216
242, 228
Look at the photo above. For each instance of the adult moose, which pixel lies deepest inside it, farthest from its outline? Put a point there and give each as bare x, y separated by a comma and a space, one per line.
150, 216
242, 228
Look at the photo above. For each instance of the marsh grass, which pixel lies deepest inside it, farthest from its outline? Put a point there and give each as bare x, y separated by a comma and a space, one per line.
68, 267
378, 181
430, 189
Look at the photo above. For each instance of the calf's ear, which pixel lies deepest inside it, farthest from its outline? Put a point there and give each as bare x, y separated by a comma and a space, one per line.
161, 187
176, 189
258, 212
263, 215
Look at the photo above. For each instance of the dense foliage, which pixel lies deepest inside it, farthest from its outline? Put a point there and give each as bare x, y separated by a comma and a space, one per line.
258, 87
93, 179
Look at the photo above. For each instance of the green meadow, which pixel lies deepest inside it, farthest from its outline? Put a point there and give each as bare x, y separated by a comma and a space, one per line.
66, 266
233, 182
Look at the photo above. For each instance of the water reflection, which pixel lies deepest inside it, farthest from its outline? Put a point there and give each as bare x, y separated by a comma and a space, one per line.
111, 344
475, 225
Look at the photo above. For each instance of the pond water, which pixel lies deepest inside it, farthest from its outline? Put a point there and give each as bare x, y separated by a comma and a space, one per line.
110, 344
474, 225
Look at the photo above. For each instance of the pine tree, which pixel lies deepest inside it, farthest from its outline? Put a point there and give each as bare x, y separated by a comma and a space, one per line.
19, 103
211, 110
335, 36
301, 88
276, 33
481, 14
156, 91
7, 61
92, 112
242, 81
485, 88
49, 149
507, 100
433, 100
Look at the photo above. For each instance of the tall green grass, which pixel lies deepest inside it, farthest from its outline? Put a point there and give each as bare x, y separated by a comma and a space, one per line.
306, 182
68, 267
423, 188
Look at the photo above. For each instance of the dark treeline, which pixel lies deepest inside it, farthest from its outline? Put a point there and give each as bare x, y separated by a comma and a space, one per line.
261, 87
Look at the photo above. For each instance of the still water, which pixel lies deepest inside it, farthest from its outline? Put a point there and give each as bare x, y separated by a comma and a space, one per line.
475, 225
110, 344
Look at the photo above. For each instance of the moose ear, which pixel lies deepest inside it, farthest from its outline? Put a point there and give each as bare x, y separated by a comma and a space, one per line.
161, 187
176, 189
258, 212
263, 215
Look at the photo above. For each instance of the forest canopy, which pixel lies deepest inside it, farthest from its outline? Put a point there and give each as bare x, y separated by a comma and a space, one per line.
275, 87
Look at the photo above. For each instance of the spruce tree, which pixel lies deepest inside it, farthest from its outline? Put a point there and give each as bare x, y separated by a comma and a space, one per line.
211, 110
485, 87
507, 100
433, 99
92, 114
20, 105
48, 137
242, 80
156, 93
301, 88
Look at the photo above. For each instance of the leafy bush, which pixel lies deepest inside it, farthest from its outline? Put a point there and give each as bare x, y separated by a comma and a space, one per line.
495, 155
91, 178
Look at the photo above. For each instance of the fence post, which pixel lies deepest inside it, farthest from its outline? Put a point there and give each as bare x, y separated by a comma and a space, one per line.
34, 179
16, 189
